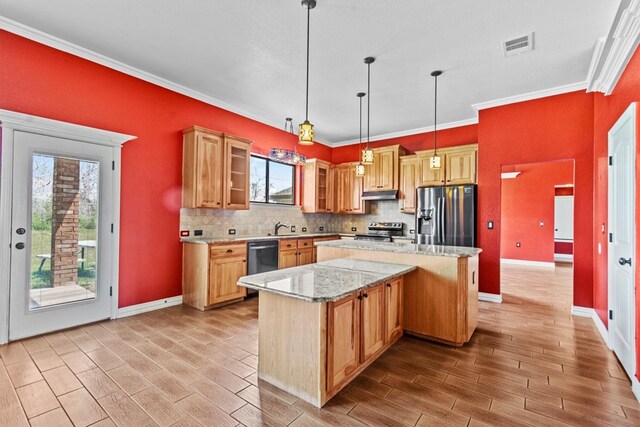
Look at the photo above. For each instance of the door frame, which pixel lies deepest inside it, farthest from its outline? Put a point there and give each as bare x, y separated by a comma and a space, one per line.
12, 121
628, 115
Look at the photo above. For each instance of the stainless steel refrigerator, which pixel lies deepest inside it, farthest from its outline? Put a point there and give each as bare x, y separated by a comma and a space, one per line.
447, 215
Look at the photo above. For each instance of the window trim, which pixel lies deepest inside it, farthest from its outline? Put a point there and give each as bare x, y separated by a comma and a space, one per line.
266, 196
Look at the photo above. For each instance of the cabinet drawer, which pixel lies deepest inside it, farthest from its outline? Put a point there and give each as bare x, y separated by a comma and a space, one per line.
286, 244
228, 250
305, 243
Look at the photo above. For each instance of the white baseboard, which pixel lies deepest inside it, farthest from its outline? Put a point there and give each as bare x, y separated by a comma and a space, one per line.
527, 263
563, 257
582, 311
635, 387
604, 332
484, 296
149, 306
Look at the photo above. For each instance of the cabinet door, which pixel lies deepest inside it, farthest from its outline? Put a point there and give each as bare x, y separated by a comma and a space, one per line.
208, 185
409, 177
373, 321
305, 256
356, 186
236, 184
288, 258
370, 179
343, 339
393, 309
322, 188
344, 197
431, 177
386, 170
223, 276
461, 167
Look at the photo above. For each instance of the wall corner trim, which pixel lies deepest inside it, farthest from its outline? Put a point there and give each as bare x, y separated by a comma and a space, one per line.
148, 306
621, 42
484, 296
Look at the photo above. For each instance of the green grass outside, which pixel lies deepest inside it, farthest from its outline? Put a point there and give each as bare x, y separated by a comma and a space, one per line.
41, 244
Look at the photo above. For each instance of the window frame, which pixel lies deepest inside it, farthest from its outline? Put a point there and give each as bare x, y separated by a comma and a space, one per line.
266, 196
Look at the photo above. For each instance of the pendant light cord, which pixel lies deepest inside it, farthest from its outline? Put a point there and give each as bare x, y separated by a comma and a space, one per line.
368, 100
360, 143
435, 119
306, 117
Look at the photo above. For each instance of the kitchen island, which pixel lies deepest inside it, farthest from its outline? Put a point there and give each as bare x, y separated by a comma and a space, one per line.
440, 297
322, 324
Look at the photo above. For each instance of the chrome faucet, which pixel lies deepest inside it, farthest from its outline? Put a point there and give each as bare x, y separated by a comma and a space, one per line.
279, 225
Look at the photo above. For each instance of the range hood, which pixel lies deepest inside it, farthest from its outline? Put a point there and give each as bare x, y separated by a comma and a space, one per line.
380, 195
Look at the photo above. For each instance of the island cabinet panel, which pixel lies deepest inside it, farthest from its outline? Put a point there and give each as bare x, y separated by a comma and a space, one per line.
321, 239
373, 321
343, 340
210, 274
394, 304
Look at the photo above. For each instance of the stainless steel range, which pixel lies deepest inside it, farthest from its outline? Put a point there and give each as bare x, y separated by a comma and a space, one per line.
382, 231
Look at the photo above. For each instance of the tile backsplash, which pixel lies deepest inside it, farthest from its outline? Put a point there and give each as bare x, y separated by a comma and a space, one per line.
261, 219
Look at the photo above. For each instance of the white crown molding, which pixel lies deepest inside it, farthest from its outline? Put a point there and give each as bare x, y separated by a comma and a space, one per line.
527, 263
415, 131
618, 49
40, 125
558, 90
65, 46
484, 296
148, 306
595, 59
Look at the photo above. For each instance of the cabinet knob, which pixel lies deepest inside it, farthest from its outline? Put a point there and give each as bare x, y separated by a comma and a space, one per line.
217, 203
388, 285
359, 296
366, 295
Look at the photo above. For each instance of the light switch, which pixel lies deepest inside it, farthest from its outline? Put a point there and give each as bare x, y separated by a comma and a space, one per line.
599, 248
490, 225
541, 223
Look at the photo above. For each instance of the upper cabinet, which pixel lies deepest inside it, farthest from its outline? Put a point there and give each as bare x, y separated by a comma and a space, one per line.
459, 165
349, 190
410, 177
215, 170
383, 174
318, 183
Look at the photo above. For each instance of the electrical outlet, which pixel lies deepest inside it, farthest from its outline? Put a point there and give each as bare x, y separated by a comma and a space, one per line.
184, 233
321, 228
293, 228
541, 223
232, 231
518, 244
304, 229
490, 225
412, 231
197, 232
354, 229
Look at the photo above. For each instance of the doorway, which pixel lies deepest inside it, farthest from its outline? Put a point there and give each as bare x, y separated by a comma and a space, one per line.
621, 214
60, 204
536, 237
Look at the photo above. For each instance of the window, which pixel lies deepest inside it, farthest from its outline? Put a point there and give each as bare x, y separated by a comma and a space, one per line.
271, 181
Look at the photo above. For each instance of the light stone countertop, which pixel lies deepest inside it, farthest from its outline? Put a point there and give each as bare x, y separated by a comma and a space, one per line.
403, 248
233, 239
327, 280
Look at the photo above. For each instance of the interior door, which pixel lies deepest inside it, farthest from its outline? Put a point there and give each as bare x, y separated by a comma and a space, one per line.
621, 247
563, 218
61, 234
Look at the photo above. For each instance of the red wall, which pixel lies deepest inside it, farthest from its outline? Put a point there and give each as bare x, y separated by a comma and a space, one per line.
422, 141
553, 128
42, 81
607, 110
527, 200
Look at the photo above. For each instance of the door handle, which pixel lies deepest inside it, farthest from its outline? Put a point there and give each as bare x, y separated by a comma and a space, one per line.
20, 245
622, 261
21, 231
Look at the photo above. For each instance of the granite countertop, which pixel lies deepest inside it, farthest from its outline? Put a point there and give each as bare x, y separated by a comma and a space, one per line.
325, 281
403, 248
233, 239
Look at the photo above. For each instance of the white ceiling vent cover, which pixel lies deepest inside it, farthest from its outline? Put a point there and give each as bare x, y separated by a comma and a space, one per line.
518, 45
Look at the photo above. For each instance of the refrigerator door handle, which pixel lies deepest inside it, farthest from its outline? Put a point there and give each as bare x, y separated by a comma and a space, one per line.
442, 221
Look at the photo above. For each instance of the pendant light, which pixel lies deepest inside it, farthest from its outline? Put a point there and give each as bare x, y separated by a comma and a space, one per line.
306, 132
367, 153
290, 157
360, 165
435, 162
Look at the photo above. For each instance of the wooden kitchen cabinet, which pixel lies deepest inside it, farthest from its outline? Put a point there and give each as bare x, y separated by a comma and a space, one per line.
210, 274
349, 189
293, 253
383, 174
458, 166
321, 239
410, 171
215, 170
373, 321
318, 192
393, 309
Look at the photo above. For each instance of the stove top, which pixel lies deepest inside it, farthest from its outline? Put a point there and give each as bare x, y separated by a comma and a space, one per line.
382, 231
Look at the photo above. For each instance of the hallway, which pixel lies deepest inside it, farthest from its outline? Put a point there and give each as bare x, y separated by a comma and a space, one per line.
529, 363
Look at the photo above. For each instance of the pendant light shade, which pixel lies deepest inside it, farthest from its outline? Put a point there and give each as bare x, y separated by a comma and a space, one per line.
282, 155
436, 161
306, 132
360, 166
367, 153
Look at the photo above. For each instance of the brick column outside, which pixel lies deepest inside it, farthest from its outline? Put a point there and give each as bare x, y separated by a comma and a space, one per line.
66, 210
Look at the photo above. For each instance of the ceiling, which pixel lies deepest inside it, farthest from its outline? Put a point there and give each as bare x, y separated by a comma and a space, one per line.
251, 54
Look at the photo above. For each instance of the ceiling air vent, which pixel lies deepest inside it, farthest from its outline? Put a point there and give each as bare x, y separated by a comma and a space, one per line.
518, 45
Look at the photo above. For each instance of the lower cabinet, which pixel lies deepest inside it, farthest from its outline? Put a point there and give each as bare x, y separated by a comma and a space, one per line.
210, 274
295, 252
359, 328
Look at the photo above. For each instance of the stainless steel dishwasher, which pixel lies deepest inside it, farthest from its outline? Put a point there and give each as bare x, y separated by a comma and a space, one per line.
263, 257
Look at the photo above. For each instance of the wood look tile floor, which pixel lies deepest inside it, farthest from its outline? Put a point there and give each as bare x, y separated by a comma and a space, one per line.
529, 363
